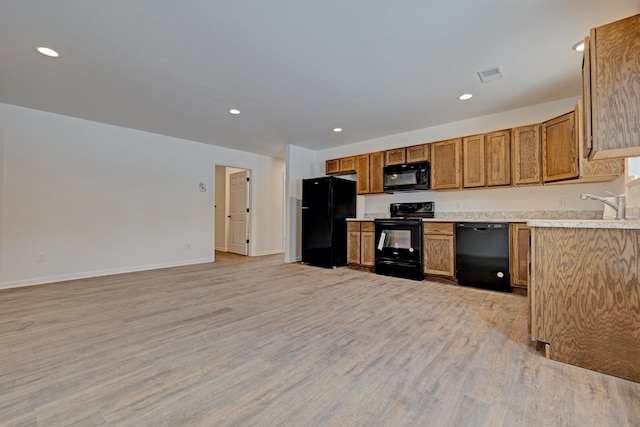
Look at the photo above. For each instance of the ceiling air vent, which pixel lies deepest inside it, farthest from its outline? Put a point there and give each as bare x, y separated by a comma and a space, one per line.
490, 74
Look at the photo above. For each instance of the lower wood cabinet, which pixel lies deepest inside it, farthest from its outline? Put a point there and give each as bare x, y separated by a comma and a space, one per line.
360, 243
519, 254
585, 297
439, 248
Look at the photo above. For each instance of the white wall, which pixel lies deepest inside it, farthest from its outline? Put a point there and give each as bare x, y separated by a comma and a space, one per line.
301, 164
1, 187
557, 197
98, 199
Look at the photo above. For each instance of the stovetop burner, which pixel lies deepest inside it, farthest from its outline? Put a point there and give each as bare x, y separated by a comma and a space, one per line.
412, 210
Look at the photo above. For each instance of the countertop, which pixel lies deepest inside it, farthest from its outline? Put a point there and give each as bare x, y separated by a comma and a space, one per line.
631, 224
548, 218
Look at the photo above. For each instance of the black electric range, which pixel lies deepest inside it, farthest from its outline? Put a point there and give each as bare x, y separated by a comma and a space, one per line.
399, 240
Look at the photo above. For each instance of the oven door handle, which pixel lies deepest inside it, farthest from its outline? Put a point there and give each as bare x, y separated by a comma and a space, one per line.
383, 236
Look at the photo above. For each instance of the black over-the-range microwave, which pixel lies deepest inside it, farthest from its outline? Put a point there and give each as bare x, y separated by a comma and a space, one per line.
406, 177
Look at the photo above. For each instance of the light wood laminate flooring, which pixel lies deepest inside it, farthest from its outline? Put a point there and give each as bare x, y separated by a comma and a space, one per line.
258, 342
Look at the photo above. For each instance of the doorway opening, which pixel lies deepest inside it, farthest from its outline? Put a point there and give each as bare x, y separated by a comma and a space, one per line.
232, 210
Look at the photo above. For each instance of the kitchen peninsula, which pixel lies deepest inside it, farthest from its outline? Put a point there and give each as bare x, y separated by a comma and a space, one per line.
585, 293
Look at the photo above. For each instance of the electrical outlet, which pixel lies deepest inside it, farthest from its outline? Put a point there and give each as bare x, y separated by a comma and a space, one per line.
41, 257
562, 201
203, 187
457, 206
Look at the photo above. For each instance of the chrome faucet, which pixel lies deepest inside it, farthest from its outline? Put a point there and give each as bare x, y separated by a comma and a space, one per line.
618, 205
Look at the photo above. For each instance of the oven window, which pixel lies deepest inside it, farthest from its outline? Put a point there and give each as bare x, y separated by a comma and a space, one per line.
401, 178
396, 239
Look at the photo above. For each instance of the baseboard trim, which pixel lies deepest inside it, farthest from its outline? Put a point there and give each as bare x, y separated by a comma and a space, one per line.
274, 252
98, 273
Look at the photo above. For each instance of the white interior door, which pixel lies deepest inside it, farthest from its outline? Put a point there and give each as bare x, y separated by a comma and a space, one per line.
238, 212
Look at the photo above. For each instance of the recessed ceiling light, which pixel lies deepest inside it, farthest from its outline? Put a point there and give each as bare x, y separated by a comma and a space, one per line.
46, 51
578, 47
234, 111
465, 96
337, 130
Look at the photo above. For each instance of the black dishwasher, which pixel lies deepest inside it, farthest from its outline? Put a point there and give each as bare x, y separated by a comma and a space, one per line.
482, 255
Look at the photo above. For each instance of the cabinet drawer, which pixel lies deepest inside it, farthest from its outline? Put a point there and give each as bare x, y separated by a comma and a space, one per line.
368, 226
353, 225
438, 228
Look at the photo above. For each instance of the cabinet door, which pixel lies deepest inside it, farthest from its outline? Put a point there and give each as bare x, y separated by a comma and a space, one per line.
394, 157
376, 178
348, 164
519, 243
498, 152
594, 170
332, 166
526, 148
344, 165
615, 89
353, 247
418, 153
439, 254
362, 174
473, 161
586, 97
560, 148
446, 164
367, 248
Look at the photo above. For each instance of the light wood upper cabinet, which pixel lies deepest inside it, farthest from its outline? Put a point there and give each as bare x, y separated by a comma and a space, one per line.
487, 159
345, 165
526, 149
560, 148
397, 156
473, 161
376, 178
439, 248
369, 178
332, 166
446, 164
498, 158
348, 164
588, 170
363, 185
611, 90
594, 170
587, 139
418, 153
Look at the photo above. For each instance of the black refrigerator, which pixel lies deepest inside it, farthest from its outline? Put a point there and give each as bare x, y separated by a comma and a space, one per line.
326, 203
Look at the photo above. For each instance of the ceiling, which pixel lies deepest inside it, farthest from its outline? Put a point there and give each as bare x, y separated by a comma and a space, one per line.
295, 69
